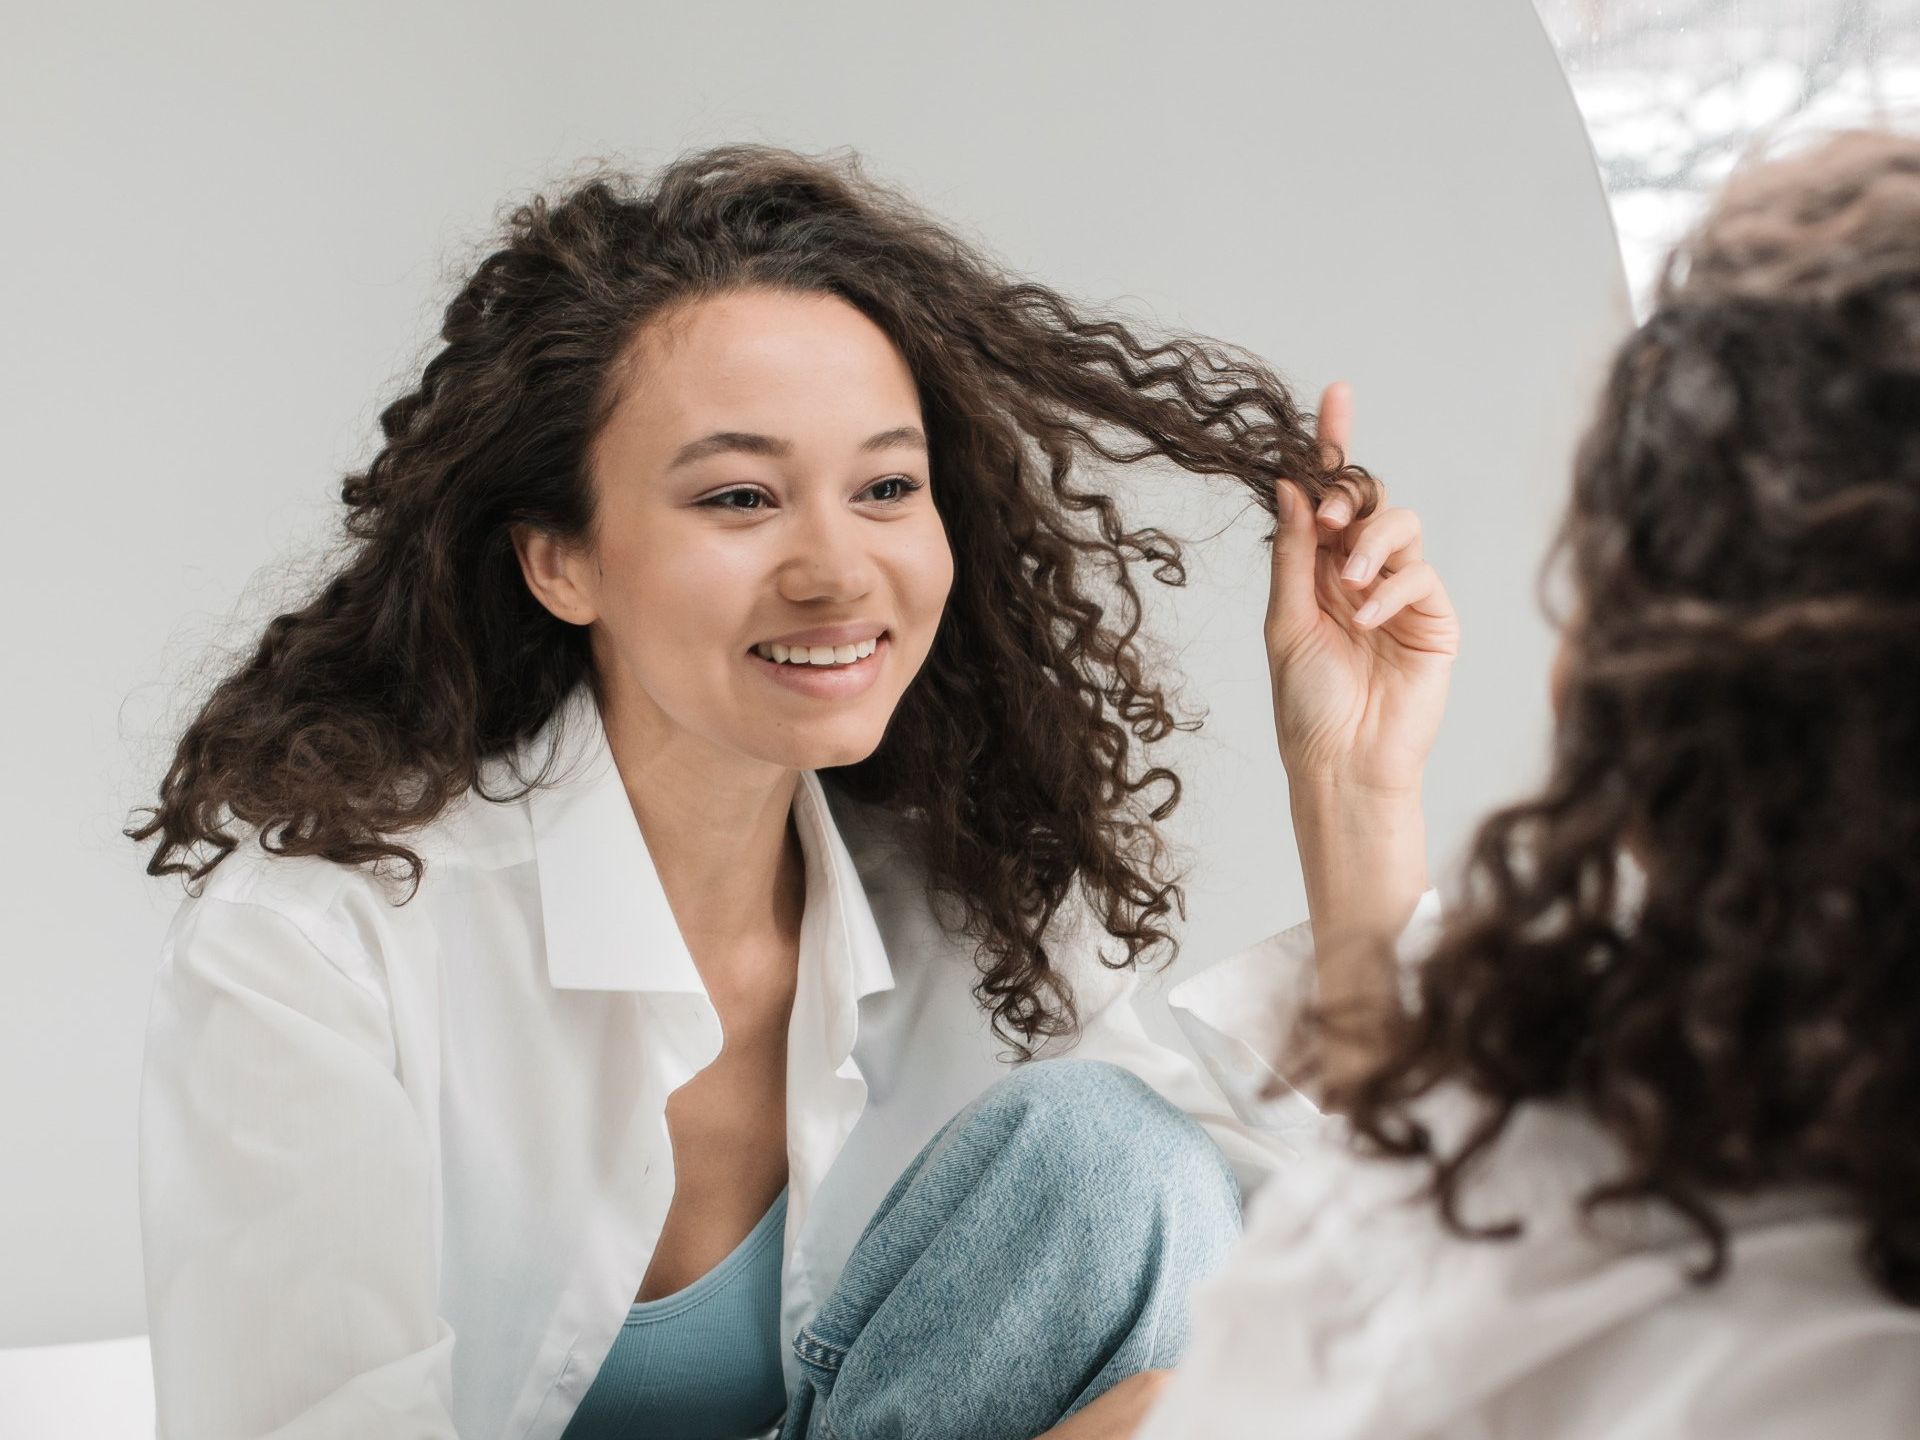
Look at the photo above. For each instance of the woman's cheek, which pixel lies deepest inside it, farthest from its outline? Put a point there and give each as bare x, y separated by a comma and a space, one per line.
932, 572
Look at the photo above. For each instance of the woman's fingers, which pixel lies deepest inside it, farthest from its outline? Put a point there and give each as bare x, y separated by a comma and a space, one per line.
1386, 546
1335, 511
1386, 540
1417, 587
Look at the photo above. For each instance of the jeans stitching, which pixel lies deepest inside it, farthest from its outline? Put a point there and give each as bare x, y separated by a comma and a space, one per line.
819, 1353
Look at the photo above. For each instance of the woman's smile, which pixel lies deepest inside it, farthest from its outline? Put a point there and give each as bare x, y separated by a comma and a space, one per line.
829, 673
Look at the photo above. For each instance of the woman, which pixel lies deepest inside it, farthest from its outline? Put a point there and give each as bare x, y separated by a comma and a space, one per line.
1644, 1153
548, 1044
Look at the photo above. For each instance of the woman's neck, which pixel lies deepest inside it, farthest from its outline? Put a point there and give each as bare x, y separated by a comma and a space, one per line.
721, 834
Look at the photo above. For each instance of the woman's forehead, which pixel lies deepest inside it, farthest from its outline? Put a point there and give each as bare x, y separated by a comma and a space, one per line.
805, 369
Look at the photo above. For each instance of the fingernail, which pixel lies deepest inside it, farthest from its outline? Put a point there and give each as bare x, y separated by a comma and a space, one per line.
1357, 568
1367, 613
1283, 498
1335, 512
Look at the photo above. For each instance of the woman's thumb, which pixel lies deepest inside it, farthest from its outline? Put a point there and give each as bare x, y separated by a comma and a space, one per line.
1291, 601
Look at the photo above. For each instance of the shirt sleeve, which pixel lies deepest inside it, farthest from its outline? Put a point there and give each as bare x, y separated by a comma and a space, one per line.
1241, 1015
1238, 1016
1110, 1030
285, 1194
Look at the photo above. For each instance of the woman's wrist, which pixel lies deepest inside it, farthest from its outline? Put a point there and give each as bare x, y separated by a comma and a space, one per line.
1363, 854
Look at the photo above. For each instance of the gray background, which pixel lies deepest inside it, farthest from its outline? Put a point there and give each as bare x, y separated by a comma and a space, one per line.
229, 231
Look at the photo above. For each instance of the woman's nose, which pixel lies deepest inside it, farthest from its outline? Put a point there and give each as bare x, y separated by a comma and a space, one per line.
829, 559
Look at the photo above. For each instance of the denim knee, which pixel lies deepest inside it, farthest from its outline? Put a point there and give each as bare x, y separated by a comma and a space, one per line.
1038, 1249
1089, 1124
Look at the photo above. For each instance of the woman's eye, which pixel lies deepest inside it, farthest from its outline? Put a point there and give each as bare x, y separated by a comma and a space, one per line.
891, 491
906, 483
720, 501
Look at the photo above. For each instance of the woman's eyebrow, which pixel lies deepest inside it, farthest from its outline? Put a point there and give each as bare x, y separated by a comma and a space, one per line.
900, 435
746, 442
722, 441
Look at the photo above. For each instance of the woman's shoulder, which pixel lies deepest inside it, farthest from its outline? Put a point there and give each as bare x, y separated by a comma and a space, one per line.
1536, 1174
1374, 1220
1353, 1308
1347, 1256
306, 890
288, 934
340, 906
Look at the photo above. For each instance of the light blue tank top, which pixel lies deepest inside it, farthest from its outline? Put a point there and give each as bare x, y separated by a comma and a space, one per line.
702, 1363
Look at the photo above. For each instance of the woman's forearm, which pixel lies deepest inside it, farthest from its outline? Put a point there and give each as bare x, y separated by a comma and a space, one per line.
1363, 854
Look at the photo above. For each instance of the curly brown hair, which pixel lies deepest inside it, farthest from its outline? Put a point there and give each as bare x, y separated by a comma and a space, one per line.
1704, 931
1011, 758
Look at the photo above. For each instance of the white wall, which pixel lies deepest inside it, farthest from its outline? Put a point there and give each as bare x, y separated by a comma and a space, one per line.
228, 230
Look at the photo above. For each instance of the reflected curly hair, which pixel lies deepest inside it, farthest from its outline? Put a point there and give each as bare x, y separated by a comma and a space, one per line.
1705, 930
1014, 757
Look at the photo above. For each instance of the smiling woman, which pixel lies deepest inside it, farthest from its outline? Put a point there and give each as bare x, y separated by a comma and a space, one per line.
1015, 755
732, 659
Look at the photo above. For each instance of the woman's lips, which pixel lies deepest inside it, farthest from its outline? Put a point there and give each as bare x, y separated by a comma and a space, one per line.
826, 682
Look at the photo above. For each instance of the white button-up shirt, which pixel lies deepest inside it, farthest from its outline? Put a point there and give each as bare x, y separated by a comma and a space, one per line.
402, 1167
1350, 1312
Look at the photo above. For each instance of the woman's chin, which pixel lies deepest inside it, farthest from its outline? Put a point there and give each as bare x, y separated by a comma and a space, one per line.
824, 746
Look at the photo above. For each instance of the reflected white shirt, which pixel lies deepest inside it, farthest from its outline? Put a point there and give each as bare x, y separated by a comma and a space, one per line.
402, 1167
1349, 1312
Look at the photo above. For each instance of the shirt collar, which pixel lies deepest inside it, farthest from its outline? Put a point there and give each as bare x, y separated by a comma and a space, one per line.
604, 914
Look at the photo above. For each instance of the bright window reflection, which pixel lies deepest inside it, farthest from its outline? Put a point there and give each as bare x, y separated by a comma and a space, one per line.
1675, 90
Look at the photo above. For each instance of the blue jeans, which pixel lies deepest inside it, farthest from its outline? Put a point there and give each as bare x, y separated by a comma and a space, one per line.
1035, 1253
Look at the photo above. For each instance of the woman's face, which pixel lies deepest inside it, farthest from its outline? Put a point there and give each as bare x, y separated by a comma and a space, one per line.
765, 482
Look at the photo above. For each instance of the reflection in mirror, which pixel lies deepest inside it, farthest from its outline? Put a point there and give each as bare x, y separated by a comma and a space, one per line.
210, 340
1674, 91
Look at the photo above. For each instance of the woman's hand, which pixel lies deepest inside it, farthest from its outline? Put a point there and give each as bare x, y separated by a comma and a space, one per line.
1117, 1413
1360, 641
1360, 636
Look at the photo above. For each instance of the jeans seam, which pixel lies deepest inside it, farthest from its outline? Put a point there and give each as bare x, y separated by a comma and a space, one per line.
818, 1353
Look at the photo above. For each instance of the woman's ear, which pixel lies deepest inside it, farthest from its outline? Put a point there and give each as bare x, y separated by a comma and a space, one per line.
555, 572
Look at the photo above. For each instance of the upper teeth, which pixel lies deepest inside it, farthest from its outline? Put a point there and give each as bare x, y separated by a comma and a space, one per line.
815, 654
